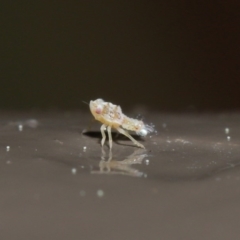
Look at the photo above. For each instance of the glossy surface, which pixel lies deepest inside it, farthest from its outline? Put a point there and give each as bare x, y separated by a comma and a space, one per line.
57, 183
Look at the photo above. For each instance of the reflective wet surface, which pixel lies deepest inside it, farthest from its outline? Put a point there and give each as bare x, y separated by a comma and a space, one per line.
58, 183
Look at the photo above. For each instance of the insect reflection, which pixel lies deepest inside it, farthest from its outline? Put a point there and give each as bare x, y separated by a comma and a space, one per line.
124, 167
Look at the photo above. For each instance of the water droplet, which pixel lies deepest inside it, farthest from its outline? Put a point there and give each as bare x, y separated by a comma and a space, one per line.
74, 170
20, 128
7, 148
228, 138
227, 130
82, 193
100, 193
147, 161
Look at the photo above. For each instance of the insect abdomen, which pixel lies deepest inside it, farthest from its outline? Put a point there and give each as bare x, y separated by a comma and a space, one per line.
132, 124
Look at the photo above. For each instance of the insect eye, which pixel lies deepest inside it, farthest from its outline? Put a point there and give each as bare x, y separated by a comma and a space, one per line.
98, 109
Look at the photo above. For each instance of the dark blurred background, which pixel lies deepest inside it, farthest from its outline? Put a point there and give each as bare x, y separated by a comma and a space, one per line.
168, 55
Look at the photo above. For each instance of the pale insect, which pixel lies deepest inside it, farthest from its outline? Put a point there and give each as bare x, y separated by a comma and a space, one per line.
112, 117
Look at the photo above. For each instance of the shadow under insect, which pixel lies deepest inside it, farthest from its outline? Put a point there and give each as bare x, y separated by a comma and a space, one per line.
115, 135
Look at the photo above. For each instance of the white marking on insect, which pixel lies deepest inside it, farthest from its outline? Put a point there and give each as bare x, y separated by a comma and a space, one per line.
112, 117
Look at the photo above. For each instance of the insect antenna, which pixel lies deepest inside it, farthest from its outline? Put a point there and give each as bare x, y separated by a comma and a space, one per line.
89, 125
85, 102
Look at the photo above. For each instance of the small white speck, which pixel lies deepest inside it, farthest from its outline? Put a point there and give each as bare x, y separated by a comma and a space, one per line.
147, 161
7, 148
164, 125
32, 123
228, 138
20, 128
57, 141
82, 166
84, 148
145, 175
227, 130
82, 193
8, 162
100, 193
74, 170
36, 149
182, 141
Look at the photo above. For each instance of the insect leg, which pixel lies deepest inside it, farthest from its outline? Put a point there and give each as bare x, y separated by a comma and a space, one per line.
130, 137
109, 137
103, 127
